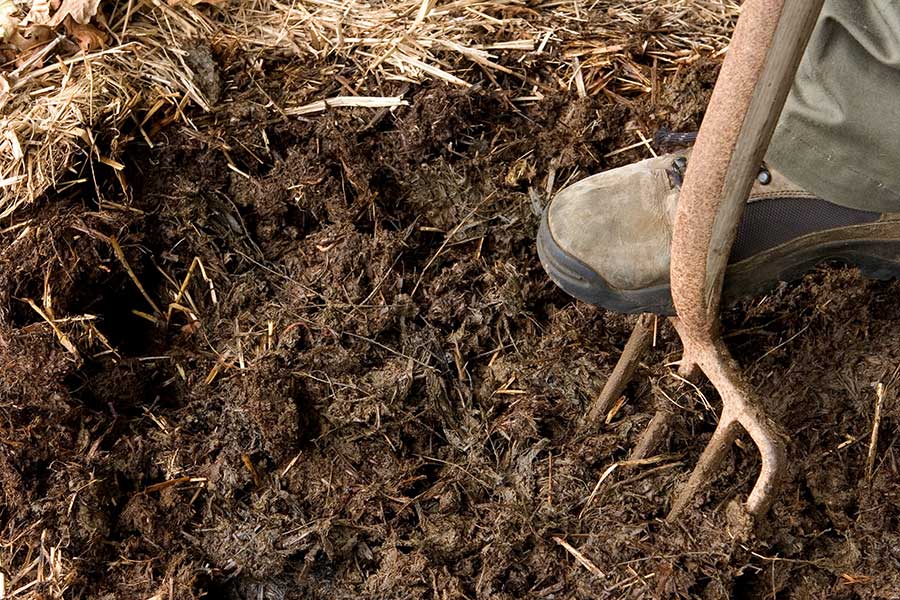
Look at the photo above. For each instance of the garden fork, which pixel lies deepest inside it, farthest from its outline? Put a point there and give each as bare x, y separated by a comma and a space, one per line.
753, 84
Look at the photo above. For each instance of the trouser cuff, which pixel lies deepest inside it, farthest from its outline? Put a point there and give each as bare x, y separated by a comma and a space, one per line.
827, 173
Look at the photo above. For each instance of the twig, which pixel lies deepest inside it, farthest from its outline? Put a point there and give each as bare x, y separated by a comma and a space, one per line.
581, 558
881, 390
876, 425
346, 102
117, 249
63, 338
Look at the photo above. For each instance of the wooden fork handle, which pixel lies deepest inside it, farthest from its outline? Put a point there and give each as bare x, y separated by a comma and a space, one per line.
750, 92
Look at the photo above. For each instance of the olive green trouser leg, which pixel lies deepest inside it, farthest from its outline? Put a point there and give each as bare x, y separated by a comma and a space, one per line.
839, 134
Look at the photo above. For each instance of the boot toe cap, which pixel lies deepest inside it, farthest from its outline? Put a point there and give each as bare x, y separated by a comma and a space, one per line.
618, 223
606, 238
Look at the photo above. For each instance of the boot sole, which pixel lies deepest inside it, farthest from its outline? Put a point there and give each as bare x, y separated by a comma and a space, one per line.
874, 248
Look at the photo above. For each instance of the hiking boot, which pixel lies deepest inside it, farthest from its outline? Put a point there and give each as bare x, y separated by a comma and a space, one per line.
606, 239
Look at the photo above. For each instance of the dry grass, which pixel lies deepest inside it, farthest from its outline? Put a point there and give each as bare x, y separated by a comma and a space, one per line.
63, 111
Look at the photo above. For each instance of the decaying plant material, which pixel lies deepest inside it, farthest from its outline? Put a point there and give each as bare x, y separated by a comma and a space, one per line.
272, 324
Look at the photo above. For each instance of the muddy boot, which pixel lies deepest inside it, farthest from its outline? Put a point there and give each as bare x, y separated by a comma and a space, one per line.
606, 239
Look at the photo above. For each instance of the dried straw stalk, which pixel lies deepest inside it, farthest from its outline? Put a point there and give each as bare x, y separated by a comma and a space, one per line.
61, 109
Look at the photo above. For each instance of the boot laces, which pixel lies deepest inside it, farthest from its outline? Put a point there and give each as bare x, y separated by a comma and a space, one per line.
664, 139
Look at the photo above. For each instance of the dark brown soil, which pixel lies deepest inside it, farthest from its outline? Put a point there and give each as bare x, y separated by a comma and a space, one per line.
376, 392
